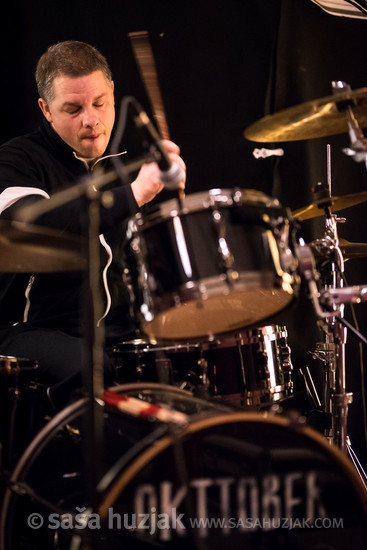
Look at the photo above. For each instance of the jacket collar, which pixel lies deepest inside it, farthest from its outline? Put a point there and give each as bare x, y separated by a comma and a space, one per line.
64, 151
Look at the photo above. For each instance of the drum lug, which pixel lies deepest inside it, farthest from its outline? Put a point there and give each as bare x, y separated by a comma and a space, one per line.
203, 373
285, 356
164, 370
226, 259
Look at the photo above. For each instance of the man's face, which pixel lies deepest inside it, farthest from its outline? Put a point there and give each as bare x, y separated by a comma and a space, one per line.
82, 113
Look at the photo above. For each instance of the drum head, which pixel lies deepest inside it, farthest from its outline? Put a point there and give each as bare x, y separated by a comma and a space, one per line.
223, 312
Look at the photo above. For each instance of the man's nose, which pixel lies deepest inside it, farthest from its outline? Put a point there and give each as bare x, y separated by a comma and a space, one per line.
90, 119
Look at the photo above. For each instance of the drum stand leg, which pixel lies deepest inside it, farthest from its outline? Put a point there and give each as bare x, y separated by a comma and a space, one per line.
358, 466
336, 400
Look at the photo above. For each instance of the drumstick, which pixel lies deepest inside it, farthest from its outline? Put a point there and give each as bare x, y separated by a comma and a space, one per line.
143, 409
145, 60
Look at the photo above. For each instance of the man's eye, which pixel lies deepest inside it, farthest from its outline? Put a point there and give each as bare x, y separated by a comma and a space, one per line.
98, 104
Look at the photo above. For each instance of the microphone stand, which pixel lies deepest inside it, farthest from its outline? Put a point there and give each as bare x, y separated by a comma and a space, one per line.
93, 384
89, 191
30, 213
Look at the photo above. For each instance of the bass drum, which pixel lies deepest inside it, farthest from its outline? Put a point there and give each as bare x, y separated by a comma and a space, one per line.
178, 471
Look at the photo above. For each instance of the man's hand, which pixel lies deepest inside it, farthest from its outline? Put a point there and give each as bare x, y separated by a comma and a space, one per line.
148, 184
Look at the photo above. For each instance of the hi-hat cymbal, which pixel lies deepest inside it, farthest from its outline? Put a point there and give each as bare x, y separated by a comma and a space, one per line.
337, 203
26, 248
313, 119
352, 250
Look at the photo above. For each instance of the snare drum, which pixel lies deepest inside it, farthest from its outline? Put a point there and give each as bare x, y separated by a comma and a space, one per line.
179, 472
212, 263
147, 361
251, 368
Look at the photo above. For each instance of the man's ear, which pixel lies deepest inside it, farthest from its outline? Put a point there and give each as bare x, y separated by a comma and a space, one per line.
45, 109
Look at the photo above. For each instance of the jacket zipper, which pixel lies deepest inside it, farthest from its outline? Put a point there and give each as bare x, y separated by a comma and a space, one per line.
28, 301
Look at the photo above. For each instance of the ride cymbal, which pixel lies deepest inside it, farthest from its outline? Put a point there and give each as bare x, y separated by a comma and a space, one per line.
313, 119
337, 203
26, 248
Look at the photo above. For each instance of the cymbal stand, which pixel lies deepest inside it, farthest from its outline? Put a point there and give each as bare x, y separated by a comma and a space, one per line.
335, 399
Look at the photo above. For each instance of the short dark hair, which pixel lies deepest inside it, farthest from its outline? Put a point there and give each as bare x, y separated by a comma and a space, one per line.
71, 58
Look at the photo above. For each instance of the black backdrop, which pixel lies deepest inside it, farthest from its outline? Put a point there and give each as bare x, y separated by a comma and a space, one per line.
222, 65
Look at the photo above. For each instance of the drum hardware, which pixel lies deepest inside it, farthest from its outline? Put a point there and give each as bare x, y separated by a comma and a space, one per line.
264, 153
333, 348
310, 387
331, 351
287, 368
333, 418
325, 249
358, 143
226, 259
197, 380
347, 295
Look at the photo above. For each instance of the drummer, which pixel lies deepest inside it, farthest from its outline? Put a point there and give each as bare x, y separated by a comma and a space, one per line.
42, 316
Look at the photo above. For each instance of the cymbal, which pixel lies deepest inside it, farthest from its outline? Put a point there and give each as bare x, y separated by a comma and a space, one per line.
337, 203
313, 119
352, 250
26, 248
